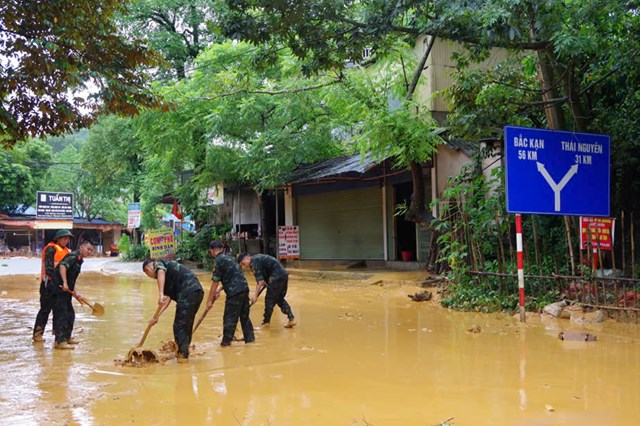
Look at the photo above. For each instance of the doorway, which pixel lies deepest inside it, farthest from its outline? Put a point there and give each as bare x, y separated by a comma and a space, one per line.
405, 231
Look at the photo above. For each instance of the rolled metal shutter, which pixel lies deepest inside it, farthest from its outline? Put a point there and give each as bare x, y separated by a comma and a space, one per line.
341, 225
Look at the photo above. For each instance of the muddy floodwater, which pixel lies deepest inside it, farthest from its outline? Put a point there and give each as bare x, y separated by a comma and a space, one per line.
362, 353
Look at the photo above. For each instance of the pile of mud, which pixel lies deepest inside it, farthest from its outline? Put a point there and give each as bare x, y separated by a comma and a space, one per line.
166, 353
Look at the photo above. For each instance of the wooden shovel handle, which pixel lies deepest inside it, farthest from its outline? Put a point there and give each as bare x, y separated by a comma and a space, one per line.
78, 298
257, 295
204, 314
155, 316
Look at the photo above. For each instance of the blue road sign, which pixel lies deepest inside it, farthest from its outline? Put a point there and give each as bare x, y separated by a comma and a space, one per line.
557, 173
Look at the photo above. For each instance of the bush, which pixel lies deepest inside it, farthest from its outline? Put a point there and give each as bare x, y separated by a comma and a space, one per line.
195, 246
137, 252
132, 252
477, 237
125, 244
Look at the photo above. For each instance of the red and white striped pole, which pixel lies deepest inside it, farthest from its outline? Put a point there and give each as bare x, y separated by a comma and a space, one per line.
520, 266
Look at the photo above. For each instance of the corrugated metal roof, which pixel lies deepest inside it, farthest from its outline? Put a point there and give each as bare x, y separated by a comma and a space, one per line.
357, 164
354, 163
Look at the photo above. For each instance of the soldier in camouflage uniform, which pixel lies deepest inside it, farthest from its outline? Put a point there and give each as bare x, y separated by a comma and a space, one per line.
269, 272
52, 254
64, 282
235, 285
177, 282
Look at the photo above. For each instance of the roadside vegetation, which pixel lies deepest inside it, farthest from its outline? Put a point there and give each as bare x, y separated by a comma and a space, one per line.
189, 94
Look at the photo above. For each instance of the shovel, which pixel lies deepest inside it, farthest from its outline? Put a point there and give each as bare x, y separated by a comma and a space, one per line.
204, 314
138, 354
96, 309
258, 295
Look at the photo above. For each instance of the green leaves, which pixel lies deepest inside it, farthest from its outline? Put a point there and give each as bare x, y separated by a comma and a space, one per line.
53, 49
16, 185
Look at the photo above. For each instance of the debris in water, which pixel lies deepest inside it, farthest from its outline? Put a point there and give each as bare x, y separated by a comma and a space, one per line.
577, 336
420, 297
307, 348
549, 408
350, 316
475, 329
446, 422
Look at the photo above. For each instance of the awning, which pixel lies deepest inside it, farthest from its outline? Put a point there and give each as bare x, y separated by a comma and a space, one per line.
53, 224
100, 226
60, 224
18, 223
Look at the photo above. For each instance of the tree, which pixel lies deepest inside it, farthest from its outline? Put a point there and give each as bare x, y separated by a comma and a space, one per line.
58, 143
178, 29
328, 35
577, 47
244, 115
53, 53
64, 172
36, 155
113, 157
16, 185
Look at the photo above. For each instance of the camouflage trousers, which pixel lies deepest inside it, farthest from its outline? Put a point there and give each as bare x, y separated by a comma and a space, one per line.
46, 305
186, 307
276, 291
236, 308
64, 316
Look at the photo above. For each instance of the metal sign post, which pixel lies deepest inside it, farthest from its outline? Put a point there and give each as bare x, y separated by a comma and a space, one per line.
556, 173
520, 266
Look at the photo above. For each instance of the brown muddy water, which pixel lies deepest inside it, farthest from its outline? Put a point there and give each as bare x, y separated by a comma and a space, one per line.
362, 354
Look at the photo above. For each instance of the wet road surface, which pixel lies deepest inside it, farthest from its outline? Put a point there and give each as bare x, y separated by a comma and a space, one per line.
362, 354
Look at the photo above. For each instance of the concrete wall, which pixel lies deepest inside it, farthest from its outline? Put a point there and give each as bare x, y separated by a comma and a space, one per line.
246, 207
289, 212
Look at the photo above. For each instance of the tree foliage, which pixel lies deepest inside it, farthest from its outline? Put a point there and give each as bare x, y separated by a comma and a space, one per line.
53, 54
243, 116
178, 29
17, 190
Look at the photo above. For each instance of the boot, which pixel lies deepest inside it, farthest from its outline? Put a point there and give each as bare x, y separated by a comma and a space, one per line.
63, 345
291, 323
37, 336
72, 341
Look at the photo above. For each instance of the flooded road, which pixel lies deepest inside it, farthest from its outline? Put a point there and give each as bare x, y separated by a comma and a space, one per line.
362, 354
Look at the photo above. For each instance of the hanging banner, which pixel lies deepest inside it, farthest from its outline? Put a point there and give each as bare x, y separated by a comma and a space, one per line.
134, 216
289, 242
600, 229
215, 195
161, 243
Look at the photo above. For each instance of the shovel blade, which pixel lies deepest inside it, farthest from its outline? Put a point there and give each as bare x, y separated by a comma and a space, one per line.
140, 355
97, 310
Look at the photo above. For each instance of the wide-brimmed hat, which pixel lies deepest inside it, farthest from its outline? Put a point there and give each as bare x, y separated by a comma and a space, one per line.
62, 233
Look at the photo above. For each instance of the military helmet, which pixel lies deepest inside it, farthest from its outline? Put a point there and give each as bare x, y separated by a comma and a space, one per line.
62, 233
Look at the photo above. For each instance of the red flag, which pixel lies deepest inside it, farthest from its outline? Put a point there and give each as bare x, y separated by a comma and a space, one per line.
175, 210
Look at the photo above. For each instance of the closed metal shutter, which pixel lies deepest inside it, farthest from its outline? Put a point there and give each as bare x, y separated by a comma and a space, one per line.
341, 225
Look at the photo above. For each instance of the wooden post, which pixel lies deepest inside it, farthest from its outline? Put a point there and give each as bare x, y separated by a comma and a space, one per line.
568, 231
633, 251
624, 252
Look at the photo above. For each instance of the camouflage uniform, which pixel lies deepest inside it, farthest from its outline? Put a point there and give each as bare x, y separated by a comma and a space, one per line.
46, 295
183, 286
267, 268
236, 306
64, 315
